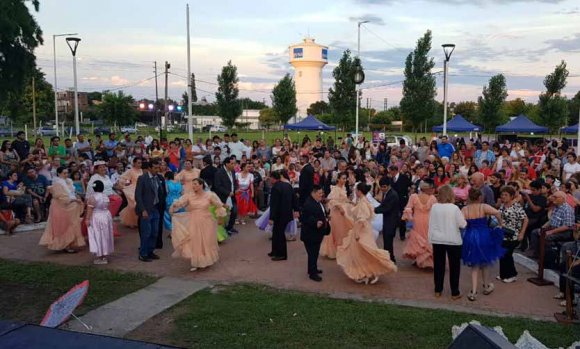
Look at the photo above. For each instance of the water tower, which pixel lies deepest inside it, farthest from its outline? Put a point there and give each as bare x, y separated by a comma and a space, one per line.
308, 58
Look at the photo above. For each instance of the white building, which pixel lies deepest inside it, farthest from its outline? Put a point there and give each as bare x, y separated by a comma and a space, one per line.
251, 116
308, 58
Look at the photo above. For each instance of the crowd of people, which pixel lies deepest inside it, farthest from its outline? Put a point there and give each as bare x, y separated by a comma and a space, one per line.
469, 201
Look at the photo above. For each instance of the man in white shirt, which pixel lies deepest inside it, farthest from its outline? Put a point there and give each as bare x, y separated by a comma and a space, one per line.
237, 148
82, 146
199, 151
571, 167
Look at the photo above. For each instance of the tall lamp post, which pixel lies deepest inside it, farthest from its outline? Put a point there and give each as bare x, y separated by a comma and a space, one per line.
55, 85
448, 50
359, 78
73, 44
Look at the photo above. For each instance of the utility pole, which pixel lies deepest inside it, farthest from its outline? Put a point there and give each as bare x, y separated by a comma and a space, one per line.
385, 106
165, 105
369, 107
34, 104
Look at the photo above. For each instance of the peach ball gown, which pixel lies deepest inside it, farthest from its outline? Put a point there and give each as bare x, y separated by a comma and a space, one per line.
186, 178
63, 228
418, 247
128, 182
339, 224
359, 256
194, 232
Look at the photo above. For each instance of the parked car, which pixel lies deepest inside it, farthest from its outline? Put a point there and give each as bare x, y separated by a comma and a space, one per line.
102, 131
45, 131
5, 132
393, 140
218, 129
140, 124
128, 129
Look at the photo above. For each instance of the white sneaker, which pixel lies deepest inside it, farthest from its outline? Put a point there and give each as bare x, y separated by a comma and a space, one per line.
510, 280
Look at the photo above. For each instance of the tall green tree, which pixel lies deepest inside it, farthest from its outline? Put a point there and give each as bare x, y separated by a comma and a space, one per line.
18, 106
20, 34
117, 108
467, 109
284, 99
342, 96
574, 109
418, 102
554, 110
268, 117
229, 106
318, 108
491, 103
248, 103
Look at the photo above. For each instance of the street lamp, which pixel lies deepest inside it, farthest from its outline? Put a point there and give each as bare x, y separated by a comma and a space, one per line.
55, 85
448, 50
73, 44
359, 77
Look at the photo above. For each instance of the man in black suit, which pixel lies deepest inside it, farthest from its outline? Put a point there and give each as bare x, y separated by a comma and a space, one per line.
225, 186
401, 184
314, 227
282, 207
389, 207
306, 180
148, 198
208, 172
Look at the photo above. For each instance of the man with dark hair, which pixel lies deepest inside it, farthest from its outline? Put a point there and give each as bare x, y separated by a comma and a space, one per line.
306, 179
535, 204
314, 227
148, 197
390, 209
225, 187
208, 171
21, 145
401, 184
282, 206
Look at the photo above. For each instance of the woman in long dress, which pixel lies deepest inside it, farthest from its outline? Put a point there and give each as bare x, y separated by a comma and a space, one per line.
417, 210
174, 191
359, 256
194, 232
128, 182
187, 175
245, 193
63, 227
482, 245
100, 224
337, 202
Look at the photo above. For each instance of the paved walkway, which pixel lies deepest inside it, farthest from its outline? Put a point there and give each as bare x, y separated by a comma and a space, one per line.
243, 259
129, 312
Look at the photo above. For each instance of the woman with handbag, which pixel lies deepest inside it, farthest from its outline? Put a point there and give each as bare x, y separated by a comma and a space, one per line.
515, 223
15, 195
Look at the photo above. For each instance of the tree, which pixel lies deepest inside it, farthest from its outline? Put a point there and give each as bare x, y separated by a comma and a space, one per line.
342, 96
229, 106
117, 108
284, 99
20, 35
490, 104
554, 110
318, 108
248, 103
514, 107
418, 102
94, 96
18, 106
466, 109
268, 117
574, 109
193, 89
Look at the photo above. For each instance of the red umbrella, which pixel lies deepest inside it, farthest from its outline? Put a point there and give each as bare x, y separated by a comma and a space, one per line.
62, 308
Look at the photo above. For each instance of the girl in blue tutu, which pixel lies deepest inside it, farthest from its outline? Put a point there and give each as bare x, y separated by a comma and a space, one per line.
481, 244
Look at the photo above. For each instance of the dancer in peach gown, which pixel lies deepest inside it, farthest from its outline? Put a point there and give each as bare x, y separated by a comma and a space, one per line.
63, 228
418, 209
128, 183
339, 225
359, 256
187, 175
194, 232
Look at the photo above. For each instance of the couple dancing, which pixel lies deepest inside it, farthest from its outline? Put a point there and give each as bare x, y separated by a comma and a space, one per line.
358, 255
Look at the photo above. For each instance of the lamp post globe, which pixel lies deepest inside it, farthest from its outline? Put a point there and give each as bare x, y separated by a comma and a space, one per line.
448, 50
73, 44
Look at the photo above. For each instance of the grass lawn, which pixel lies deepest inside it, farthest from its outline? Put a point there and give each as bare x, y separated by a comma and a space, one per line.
28, 289
251, 316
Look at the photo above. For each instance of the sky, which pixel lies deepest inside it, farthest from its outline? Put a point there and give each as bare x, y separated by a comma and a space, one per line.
523, 39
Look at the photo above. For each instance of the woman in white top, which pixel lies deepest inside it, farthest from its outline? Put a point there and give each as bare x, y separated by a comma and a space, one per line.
570, 167
278, 165
445, 220
115, 200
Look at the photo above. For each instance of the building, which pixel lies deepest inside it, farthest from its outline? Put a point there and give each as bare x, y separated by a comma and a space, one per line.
249, 116
308, 58
66, 101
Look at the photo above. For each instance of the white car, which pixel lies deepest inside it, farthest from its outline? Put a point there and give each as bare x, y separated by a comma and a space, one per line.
218, 129
128, 129
393, 140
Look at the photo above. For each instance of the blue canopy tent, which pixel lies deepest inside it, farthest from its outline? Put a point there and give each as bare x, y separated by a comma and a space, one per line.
309, 123
570, 129
521, 124
459, 124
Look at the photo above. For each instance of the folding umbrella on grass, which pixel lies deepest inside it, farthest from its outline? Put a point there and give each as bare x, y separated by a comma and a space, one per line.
63, 308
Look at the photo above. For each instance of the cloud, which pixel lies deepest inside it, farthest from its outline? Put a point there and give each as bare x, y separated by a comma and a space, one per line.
118, 81
461, 2
368, 17
569, 12
566, 44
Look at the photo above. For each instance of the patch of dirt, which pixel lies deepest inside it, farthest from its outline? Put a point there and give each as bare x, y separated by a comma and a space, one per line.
24, 303
158, 329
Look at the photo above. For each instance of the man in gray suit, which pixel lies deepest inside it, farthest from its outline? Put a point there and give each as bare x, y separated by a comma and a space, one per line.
149, 198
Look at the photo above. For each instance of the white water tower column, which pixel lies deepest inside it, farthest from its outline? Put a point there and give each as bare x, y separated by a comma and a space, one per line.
308, 58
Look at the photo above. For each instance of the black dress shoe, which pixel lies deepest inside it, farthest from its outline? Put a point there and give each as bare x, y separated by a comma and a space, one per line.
403, 238
153, 256
270, 254
145, 259
234, 231
277, 258
315, 277
319, 271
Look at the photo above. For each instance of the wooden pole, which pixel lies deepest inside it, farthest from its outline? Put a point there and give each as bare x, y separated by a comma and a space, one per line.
539, 280
33, 104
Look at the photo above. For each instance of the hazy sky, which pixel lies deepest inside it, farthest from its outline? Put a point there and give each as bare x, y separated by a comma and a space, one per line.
524, 39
